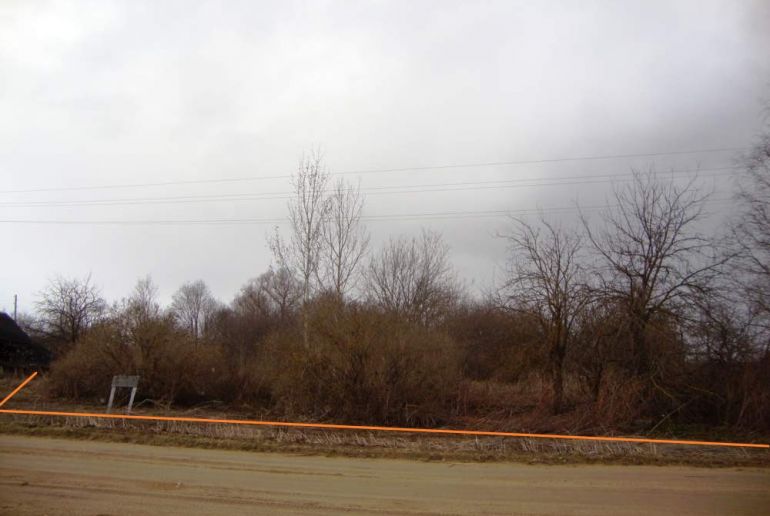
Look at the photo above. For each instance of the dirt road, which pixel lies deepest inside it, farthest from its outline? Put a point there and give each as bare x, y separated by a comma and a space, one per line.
52, 476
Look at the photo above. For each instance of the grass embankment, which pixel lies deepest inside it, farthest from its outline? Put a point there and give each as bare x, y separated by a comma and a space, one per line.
351, 443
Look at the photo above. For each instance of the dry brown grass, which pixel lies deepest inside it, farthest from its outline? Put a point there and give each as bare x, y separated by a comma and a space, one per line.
371, 444
347, 443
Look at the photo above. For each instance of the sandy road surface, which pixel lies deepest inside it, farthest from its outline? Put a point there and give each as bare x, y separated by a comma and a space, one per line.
52, 476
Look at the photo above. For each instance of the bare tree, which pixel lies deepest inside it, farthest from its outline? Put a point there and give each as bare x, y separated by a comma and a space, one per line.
545, 281
67, 307
144, 300
413, 278
276, 293
653, 258
344, 237
263, 305
192, 306
723, 330
752, 231
134, 313
301, 253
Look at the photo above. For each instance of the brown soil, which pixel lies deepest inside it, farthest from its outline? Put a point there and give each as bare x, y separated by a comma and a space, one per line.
53, 476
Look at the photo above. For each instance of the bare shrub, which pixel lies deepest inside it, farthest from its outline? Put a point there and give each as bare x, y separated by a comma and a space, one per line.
172, 369
367, 367
495, 344
618, 403
264, 305
87, 370
413, 279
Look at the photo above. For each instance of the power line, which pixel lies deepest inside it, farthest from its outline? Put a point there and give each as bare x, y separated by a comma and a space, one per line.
381, 190
384, 170
371, 218
549, 160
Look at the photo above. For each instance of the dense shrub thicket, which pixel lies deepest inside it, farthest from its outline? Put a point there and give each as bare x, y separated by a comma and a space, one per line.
361, 365
174, 369
633, 320
364, 365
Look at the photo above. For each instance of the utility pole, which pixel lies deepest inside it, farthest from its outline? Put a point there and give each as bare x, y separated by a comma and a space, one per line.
15, 304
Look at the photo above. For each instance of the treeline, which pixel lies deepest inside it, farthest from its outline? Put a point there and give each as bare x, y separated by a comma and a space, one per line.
631, 318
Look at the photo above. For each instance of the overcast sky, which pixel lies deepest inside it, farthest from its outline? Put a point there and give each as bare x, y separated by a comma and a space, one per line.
102, 94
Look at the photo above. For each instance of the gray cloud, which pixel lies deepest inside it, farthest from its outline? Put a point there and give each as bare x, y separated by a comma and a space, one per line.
99, 93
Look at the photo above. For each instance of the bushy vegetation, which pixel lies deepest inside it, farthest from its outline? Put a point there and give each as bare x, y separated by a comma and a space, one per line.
631, 321
173, 368
365, 365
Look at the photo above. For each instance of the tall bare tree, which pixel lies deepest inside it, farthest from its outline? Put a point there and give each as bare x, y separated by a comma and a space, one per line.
67, 307
546, 281
301, 252
345, 239
652, 256
413, 278
192, 306
752, 231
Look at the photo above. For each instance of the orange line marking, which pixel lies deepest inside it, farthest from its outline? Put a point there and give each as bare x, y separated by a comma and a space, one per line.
329, 426
17, 389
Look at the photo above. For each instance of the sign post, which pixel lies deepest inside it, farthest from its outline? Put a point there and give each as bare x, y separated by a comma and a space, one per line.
131, 382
